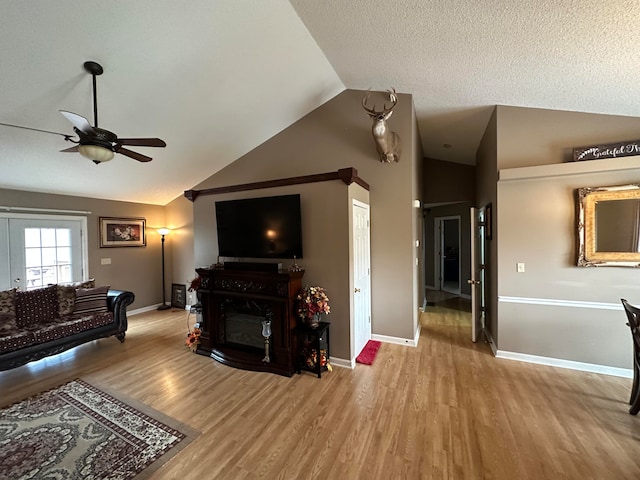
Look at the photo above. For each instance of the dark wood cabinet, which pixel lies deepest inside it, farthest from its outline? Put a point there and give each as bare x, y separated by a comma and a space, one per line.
234, 305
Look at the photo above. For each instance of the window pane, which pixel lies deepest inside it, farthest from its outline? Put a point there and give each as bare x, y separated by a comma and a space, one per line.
32, 257
48, 256
64, 274
48, 236
34, 278
63, 237
49, 275
64, 255
31, 237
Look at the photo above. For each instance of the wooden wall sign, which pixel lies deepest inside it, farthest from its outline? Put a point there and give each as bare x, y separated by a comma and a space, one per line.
611, 150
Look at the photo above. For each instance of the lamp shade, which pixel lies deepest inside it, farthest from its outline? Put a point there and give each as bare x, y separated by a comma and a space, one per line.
96, 153
163, 231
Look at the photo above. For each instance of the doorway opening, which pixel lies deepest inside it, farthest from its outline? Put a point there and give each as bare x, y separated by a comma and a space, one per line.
447, 251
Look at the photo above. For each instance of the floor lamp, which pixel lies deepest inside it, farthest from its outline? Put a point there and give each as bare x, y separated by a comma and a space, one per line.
164, 306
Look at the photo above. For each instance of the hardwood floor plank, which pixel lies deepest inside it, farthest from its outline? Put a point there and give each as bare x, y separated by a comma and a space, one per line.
445, 409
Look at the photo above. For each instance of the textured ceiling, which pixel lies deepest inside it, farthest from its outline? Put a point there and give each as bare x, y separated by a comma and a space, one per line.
459, 58
216, 78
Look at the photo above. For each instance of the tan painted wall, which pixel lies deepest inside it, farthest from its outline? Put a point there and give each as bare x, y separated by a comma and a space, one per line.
449, 182
486, 192
179, 214
535, 136
325, 235
135, 269
337, 135
536, 226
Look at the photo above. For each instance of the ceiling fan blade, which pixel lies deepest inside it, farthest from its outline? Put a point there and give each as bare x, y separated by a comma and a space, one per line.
142, 142
79, 122
67, 137
72, 149
136, 156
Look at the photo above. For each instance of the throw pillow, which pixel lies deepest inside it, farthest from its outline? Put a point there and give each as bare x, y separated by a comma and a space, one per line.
66, 300
91, 300
7, 302
36, 306
91, 283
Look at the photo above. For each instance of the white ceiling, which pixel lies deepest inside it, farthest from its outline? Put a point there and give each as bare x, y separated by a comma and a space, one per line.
216, 78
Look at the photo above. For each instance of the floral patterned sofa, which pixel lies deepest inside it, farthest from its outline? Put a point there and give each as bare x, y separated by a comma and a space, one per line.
45, 321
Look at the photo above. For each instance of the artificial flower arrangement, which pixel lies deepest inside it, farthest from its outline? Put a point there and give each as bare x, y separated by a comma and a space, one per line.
311, 359
312, 301
193, 339
195, 284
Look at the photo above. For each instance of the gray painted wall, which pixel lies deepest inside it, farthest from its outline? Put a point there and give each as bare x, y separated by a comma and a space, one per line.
136, 269
446, 182
536, 225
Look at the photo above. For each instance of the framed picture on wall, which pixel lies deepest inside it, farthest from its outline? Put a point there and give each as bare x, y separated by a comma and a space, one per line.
122, 232
488, 221
178, 295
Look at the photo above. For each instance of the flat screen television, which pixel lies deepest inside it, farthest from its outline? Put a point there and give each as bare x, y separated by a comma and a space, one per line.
266, 227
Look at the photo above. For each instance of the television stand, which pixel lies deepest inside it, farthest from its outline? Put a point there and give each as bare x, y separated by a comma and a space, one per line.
234, 305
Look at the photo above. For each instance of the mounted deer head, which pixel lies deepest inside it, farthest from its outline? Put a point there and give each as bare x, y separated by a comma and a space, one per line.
387, 142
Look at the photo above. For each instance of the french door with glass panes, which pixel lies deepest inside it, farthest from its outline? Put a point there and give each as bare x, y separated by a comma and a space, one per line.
41, 251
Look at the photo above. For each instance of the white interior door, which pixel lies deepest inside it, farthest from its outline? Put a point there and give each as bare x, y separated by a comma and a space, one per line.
361, 276
477, 272
43, 251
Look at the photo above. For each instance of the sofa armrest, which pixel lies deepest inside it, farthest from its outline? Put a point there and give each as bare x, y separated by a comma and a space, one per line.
117, 302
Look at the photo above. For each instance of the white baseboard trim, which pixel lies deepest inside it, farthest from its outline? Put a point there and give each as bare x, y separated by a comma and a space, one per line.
397, 340
561, 303
148, 308
570, 364
343, 363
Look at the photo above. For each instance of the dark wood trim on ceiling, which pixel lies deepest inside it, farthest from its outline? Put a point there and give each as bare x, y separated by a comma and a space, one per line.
347, 175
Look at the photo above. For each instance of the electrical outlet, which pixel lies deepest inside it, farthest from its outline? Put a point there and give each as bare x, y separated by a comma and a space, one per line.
520, 267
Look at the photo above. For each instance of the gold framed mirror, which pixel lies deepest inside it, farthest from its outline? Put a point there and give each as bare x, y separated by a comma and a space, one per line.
608, 226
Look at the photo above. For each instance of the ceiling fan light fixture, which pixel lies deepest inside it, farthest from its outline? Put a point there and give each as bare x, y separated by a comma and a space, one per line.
96, 153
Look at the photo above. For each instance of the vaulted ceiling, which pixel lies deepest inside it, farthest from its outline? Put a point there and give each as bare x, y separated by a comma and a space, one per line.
216, 78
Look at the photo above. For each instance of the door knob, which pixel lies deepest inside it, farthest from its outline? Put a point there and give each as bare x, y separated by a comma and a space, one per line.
357, 290
473, 282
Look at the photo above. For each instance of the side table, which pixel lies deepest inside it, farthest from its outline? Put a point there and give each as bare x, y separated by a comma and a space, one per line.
312, 347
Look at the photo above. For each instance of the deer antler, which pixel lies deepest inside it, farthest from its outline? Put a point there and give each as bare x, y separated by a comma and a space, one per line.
372, 111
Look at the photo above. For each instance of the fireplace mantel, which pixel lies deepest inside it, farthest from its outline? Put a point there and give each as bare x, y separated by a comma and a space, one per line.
233, 304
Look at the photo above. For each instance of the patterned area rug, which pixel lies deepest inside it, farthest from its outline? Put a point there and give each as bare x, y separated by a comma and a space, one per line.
77, 431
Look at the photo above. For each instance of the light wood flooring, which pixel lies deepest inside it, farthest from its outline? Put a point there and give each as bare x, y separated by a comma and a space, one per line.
444, 410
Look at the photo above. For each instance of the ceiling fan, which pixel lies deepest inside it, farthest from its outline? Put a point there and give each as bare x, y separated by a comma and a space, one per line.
97, 144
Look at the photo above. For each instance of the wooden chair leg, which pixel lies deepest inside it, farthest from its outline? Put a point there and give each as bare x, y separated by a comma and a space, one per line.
636, 384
